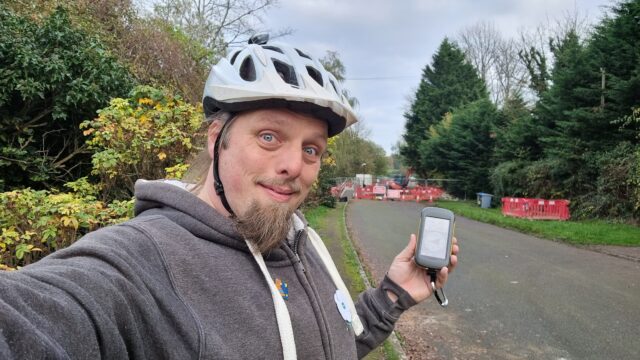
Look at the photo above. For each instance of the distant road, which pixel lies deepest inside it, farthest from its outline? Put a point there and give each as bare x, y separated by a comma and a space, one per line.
513, 296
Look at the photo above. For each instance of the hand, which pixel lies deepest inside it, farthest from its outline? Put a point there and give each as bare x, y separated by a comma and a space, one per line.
414, 279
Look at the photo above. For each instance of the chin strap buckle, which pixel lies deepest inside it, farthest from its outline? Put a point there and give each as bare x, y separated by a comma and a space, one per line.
219, 188
439, 293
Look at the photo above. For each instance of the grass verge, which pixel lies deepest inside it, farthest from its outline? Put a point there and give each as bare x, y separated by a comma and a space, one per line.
581, 232
330, 224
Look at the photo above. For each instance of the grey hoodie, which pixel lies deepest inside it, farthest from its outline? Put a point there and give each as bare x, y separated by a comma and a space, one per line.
178, 282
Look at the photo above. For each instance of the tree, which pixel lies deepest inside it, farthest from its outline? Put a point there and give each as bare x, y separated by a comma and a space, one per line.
495, 59
461, 147
52, 77
517, 146
215, 23
518, 137
172, 59
535, 60
355, 155
352, 148
332, 63
613, 93
510, 74
535, 46
614, 51
480, 44
593, 89
155, 51
580, 127
448, 83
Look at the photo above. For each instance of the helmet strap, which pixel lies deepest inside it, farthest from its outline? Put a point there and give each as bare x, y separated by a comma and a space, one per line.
216, 177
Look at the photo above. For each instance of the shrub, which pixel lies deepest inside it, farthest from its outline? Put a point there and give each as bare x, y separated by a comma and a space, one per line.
615, 193
320, 193
149, 135
509, 178
53, 75
35, 223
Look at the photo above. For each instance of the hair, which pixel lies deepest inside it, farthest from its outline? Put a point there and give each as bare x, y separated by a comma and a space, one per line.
265, 226
200, 164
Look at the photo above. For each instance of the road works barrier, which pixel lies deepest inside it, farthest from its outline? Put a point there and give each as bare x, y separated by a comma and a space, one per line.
418, 193
537, 209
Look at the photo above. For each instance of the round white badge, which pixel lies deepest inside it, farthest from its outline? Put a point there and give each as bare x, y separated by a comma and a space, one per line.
343, 307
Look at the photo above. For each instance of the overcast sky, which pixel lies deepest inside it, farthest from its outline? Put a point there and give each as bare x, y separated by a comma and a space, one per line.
394, 40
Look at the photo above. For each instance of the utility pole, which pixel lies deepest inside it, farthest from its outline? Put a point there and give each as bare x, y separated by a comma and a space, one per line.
602, 89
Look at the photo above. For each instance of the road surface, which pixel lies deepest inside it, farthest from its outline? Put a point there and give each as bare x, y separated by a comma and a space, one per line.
513, 296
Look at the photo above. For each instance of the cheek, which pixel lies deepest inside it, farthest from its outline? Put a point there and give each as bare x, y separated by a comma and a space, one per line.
310, 176
233, 172
241, 166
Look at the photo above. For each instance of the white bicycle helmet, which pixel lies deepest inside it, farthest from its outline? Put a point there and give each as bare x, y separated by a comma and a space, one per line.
276, 75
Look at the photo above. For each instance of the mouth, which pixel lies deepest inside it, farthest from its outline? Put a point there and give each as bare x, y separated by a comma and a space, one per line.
279, 193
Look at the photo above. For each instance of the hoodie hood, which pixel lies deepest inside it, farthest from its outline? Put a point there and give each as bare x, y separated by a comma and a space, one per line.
171, 199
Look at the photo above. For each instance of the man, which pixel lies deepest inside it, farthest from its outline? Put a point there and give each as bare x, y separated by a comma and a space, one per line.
227, 269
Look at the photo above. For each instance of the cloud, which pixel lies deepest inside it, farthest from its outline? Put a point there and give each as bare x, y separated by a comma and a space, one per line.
382, 38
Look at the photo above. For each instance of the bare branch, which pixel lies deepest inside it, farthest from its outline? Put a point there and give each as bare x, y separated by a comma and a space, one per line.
214, 23
479, 42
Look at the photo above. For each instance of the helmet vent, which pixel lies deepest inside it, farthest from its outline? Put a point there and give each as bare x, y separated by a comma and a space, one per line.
233, 58
303, 54
273, 48
286, 72
315, 74
335, 88
248, 69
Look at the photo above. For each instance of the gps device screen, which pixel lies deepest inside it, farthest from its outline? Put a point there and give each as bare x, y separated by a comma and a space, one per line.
434, 237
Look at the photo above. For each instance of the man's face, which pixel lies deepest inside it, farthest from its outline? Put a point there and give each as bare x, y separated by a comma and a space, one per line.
272, 159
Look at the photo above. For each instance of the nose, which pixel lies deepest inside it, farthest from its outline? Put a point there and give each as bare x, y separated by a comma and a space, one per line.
290, 162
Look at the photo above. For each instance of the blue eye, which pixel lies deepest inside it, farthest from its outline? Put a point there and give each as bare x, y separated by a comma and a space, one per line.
267, 137
311, 151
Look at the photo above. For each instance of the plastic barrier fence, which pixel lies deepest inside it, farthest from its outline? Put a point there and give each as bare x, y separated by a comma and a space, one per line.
419, 193
337, 190
539, 209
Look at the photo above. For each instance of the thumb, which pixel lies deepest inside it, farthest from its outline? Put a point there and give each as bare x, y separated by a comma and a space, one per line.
407, 253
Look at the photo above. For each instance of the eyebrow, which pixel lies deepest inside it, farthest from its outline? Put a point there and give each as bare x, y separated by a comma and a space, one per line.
272, 119
318, 136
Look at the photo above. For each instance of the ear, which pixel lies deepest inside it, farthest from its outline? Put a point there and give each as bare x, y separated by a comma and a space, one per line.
212, 135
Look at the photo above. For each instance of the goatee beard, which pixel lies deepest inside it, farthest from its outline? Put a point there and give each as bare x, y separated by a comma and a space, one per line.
265, 226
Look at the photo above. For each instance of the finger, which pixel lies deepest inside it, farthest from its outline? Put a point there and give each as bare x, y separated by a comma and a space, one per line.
443, 275
454, 240
407, 253
455, 249
453, 262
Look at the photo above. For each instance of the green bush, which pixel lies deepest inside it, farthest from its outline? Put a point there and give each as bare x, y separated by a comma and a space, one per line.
52, 76
320, 193
149, 135
35, 223
509, 178
616, 186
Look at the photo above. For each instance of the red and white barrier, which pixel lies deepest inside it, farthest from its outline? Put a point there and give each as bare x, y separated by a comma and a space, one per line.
419, 193
539, 209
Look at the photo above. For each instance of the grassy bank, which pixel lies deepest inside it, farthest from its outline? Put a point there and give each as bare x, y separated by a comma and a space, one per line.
330, 224
591, 232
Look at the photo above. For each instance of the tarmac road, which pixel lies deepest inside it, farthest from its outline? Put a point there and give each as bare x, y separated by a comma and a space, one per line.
512, 296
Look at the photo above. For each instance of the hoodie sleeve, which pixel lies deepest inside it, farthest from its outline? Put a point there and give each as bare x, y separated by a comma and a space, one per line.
106, 296
379, 314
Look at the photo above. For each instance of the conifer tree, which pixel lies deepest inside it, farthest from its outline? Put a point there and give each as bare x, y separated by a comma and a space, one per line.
461, 147
449, 82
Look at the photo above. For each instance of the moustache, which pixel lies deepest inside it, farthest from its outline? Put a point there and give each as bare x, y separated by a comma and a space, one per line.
291, 185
